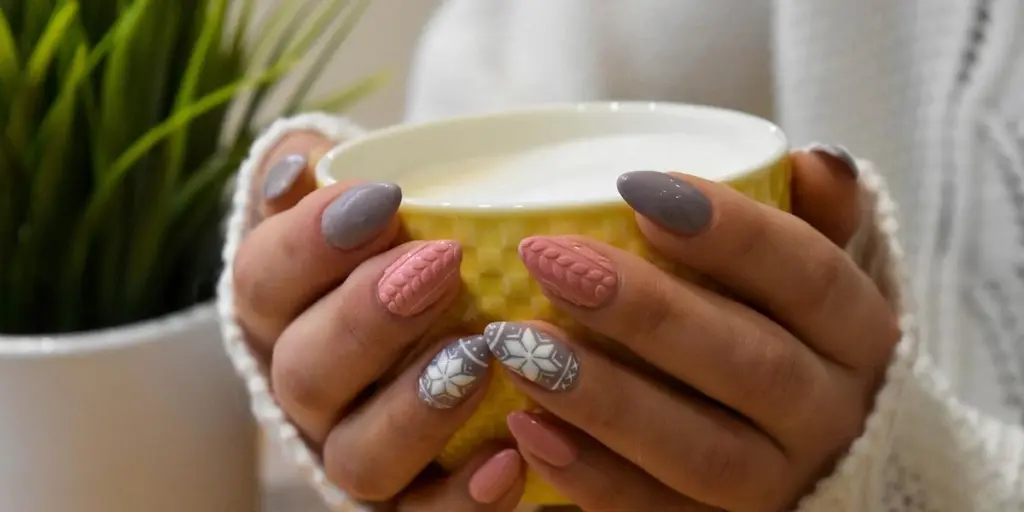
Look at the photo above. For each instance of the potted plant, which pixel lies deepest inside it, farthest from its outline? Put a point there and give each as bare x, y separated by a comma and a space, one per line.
121, 122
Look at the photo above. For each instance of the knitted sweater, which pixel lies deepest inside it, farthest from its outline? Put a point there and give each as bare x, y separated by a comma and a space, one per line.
931, 91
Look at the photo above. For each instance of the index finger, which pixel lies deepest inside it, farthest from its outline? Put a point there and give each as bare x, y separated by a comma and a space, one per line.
772, 259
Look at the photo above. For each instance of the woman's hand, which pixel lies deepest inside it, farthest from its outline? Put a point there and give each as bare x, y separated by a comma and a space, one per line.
772, 382
330, 304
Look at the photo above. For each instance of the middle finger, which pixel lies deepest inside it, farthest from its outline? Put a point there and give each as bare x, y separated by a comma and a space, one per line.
720, 347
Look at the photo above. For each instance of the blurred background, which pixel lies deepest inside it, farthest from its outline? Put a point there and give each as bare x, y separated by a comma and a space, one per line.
382, 41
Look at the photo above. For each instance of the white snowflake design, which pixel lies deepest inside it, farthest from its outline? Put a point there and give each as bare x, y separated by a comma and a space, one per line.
534, 355
453, 373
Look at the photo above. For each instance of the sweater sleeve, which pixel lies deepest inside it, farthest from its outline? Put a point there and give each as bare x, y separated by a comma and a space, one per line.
921, 451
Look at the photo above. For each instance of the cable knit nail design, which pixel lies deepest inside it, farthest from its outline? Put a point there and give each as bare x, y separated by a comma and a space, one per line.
454, 372
533, 354
413, 282
836, 151
570, 270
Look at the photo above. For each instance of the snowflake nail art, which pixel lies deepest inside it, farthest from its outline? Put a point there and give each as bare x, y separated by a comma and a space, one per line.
454, 372
536, 356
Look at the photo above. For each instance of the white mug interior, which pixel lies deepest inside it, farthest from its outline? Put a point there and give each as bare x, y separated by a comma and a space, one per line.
743, 143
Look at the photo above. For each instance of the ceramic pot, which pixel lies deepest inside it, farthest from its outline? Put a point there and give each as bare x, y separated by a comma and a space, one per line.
147, 417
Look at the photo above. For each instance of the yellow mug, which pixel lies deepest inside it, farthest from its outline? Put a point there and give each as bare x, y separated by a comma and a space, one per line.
752, 157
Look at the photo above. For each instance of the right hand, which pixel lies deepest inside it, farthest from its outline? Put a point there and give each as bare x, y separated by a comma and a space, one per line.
330, 304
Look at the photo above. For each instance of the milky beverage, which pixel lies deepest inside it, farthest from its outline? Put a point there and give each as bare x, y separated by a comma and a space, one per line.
579, 169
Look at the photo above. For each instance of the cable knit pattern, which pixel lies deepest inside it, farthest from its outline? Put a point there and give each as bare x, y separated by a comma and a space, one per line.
419, 277
571, 270
922, 449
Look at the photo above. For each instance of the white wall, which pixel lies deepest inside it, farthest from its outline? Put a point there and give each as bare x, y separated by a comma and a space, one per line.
383, 40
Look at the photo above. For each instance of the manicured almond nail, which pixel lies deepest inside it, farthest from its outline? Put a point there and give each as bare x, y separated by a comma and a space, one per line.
416, 280
496, 477
282, 175
535, 355
454, 373
541, 439
570, 270
839, 153
359, 214
666, 200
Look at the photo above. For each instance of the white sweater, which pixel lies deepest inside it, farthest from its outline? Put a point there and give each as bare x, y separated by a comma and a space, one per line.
931, 91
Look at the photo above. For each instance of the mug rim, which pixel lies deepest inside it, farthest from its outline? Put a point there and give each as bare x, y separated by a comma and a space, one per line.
325, 177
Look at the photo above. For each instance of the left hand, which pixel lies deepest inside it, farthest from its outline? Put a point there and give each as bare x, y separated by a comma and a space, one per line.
781, 373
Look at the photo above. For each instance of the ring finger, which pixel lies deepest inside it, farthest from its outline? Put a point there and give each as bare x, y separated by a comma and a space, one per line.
379, 447
688, 443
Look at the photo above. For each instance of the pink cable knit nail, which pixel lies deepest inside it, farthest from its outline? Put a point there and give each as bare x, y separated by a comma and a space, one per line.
417, 279
570, 270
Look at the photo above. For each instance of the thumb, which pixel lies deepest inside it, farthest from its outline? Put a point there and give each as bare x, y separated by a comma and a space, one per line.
286, 173
824, 189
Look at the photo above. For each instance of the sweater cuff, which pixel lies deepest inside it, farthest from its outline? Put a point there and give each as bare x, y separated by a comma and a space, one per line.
271, 418
921, 450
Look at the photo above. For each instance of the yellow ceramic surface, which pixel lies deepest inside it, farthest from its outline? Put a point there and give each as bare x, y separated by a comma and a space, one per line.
497, 285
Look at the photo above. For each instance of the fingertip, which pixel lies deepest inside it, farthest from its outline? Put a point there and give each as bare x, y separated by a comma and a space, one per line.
286, 174
497, 477
825, 192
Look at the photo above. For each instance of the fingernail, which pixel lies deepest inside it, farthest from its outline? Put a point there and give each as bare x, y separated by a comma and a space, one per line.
454, 372
359, 214
541, 440
416, 280
282, 175
666, 200
569, 270
496, 477
534, 355
837, 152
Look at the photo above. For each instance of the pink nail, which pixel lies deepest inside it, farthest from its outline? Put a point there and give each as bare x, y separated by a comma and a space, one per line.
417, 279
496, 477
541, 439
569, 270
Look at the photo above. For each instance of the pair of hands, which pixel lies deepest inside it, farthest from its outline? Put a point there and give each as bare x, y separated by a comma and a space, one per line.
774, 378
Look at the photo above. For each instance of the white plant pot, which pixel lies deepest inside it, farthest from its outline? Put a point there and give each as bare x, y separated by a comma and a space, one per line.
145, 418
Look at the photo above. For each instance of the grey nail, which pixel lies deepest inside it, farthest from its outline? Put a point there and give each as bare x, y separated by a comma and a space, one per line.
359, 214
839, 152
533, 354
454, 372
671, 202
281, 176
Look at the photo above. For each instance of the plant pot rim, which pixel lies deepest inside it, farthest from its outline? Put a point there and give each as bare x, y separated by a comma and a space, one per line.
106, 339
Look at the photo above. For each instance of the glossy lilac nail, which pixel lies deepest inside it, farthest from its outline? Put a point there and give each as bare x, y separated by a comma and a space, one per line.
282, 175
359, 214
666, 200
838, 152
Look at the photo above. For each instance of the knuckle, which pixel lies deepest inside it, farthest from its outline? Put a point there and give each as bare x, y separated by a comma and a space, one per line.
721, 467
774, 376
247, 271
823, 271
357, 475
655, 315
749, 242
297, 385
605, 413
